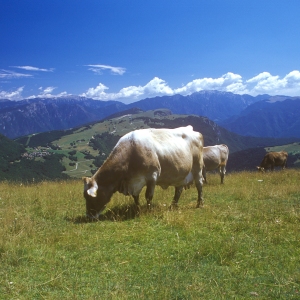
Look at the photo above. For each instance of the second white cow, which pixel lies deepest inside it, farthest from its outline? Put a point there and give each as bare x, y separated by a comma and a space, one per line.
215, 157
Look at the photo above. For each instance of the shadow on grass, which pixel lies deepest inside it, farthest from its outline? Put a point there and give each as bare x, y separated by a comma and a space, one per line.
126, 212
115, 214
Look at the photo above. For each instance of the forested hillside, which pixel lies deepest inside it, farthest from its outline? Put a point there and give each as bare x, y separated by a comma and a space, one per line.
14, 166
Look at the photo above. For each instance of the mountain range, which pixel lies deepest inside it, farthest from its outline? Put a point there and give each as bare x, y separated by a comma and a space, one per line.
215, 105
260, 116
18, 118
273, 117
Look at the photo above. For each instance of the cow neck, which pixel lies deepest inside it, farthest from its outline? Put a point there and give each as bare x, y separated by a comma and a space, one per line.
113, 169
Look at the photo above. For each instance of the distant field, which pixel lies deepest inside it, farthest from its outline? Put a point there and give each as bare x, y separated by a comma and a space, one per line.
244, 243
291, 148
81, 168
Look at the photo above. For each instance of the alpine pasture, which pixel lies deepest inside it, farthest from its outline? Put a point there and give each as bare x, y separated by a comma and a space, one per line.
243, 244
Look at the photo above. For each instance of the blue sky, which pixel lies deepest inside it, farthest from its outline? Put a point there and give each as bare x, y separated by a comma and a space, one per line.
128, 50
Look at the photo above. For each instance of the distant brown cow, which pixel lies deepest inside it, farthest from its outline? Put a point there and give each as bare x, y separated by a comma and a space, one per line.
273, 159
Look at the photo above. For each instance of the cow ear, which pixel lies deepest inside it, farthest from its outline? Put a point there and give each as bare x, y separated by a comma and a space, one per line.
87, 182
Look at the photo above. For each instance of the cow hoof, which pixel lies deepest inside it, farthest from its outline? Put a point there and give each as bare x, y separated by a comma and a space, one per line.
137, 211
173, 206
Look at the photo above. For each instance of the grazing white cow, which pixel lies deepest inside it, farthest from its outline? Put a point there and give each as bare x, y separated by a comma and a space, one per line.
215, 157
273, 159
147, 157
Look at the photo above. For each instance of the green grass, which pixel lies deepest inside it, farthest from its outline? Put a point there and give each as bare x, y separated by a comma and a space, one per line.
243, 244
83, 168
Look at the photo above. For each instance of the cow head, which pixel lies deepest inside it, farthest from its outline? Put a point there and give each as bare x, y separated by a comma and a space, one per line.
261, 169
95, 197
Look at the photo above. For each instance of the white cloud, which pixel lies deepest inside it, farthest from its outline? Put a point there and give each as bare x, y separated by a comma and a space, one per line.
130, 94
98, 69
5, 74
229, 82
289, 85
30, 68
49, 90
157, 86
260, 77
47, 93
263, 83
14, 95
97, 93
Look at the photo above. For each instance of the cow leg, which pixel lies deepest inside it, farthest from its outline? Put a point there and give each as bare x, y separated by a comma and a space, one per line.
222, 173
149, 192
199, 184
178, 191
137, 203
204, 174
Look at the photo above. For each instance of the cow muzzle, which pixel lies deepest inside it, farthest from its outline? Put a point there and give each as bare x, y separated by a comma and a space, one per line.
95, 216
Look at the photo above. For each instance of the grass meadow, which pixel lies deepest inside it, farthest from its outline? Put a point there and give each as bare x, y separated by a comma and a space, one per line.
244, 243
